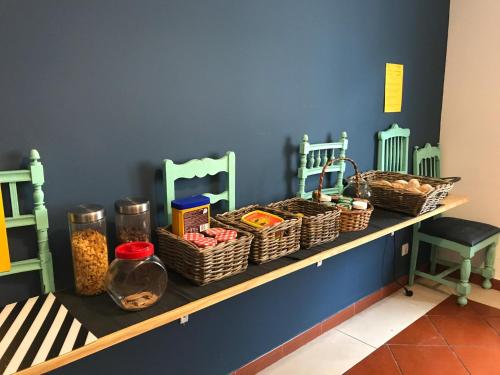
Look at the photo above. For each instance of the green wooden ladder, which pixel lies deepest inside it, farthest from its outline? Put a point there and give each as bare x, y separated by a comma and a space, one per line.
200, 168
38, 218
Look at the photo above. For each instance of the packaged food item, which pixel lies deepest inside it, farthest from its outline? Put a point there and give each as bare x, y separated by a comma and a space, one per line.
87, 227
261, 219
360, 205
190, 215
137, 278
132, 220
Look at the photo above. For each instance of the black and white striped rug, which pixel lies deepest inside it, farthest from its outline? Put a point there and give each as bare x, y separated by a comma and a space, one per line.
37, 330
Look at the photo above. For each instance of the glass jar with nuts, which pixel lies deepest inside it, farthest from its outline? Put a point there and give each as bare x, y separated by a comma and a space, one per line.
132, 220
87, 227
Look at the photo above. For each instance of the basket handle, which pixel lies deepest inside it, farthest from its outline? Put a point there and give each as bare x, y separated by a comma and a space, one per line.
330, 162
451, 180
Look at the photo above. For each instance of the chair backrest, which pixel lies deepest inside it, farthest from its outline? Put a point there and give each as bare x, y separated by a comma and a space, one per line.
38, 218
393, 145
200, 168
312, 159
427, 161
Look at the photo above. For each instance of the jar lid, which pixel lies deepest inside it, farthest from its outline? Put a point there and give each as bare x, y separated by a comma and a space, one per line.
131, 206
86, 213
134, 250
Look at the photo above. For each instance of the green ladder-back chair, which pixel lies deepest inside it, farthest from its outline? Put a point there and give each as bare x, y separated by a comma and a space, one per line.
393, 145
312, 159
200, 168
38, 218
464, 237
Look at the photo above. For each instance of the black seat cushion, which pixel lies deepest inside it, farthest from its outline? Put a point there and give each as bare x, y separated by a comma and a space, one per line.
465, 232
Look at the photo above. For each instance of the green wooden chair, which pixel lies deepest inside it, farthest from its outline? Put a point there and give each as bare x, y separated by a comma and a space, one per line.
312, 159
393, 146
464, 237
38, 218
200, 168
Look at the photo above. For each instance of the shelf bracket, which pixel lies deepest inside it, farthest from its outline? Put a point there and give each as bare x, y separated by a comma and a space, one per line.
184, 319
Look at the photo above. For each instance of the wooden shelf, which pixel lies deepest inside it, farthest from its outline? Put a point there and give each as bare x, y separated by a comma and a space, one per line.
159, 320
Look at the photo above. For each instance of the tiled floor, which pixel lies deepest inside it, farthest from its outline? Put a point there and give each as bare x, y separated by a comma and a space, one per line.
425, 334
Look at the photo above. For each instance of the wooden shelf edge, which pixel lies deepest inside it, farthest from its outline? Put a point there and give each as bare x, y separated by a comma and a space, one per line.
117, 337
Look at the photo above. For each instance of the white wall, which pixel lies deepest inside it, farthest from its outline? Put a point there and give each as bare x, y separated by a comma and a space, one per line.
470, 122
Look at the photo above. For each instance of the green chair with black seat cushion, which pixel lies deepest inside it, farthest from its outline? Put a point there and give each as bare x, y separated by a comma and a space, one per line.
465, 237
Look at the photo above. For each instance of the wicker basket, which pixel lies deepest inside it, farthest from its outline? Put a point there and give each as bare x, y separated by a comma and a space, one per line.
350, 220
405, 201
272, 242
320, 223
203, 266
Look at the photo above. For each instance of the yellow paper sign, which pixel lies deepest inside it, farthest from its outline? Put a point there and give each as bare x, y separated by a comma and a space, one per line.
4, 246
393, 87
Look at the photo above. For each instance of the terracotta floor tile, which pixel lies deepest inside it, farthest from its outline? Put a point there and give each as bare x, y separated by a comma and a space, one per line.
450, 307
495, 323
428, 360
380, 362
465, 330
479, 360
338, 318
484, 310
421, 332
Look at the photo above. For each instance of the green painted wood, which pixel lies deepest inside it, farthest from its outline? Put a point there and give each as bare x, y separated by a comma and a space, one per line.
200, 168
427, 161
39, 218
14, 199
23, 266
312, 159
20, 221
488, 272
393, 145
15, 176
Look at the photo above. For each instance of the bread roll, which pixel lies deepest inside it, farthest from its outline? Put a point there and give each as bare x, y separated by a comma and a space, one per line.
381, 183
414, 190
425, 188
397, 185
402, 182
414, 183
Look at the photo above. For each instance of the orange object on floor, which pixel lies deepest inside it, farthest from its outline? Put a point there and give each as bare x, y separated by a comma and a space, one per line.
449, 339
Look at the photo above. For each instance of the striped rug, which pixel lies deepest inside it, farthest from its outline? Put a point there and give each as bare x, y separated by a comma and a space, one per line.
37, 330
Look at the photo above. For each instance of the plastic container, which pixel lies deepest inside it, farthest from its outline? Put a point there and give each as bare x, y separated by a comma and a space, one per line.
137, 278
132, 220
190, 215
87, 227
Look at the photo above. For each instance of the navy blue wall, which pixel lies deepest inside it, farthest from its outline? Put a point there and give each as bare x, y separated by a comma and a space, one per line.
107, 89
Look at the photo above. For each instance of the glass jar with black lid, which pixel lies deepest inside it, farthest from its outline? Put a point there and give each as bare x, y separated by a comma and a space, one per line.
132, 220
87, 227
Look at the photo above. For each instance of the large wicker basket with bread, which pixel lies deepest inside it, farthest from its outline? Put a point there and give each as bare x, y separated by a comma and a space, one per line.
406, 193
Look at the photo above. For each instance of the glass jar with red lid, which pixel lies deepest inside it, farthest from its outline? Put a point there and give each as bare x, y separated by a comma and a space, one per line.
137, 278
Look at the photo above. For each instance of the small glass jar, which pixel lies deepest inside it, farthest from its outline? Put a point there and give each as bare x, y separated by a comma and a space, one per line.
132, 220
137, 278
87, 228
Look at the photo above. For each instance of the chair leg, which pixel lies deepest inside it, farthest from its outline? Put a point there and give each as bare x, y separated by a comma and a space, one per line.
414, 256
463, 287
433, 259
47, 276
488, 271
